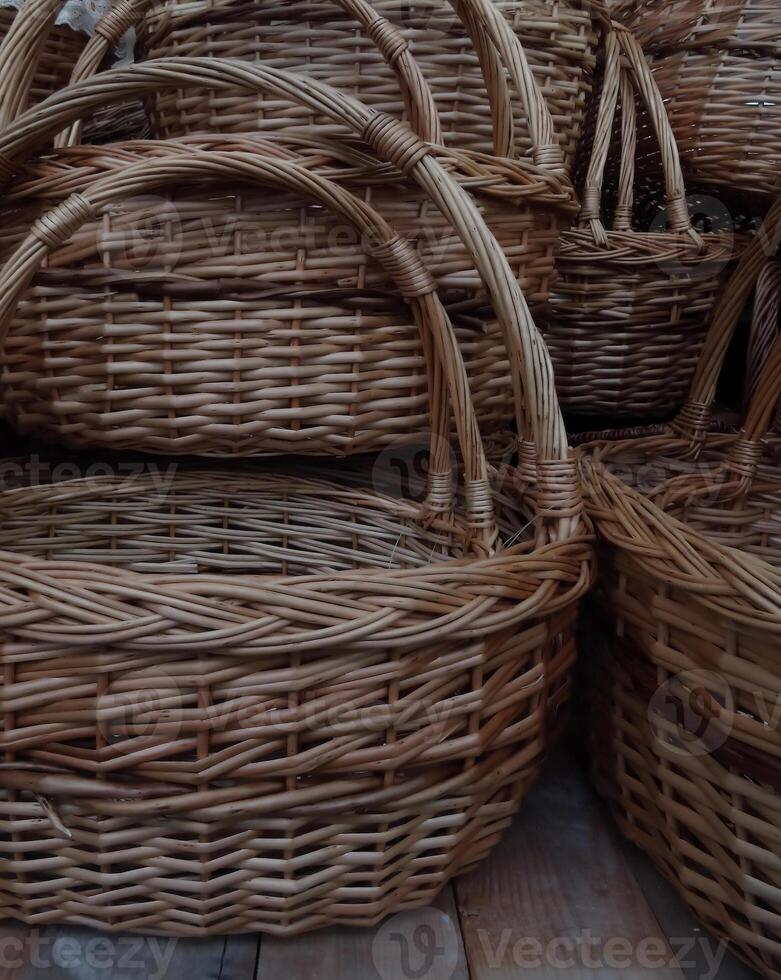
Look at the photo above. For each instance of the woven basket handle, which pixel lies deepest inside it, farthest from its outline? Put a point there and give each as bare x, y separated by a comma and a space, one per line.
763, 380
746, 453
449, 384
418, 98
693, 421
20, 53
483, 16
636, 77
557, 490
765, 325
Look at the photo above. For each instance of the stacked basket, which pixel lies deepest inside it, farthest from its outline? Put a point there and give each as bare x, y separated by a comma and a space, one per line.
357, 686
629, 310
717, 65
685, 739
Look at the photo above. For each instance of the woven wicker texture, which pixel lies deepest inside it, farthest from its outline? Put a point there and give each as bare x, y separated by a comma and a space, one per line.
314, 750
629, 308
688, 745
716, 64
199, 320
736, 24
361, 687
330, 43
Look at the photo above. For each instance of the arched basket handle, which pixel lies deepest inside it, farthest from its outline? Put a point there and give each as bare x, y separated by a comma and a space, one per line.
557, 494
634, 76
694, 419
395, 255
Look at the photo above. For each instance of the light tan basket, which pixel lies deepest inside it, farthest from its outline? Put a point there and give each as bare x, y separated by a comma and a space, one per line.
488, 98
222, 321
225, 322
629, 308
717, 65
358, 689
686, 744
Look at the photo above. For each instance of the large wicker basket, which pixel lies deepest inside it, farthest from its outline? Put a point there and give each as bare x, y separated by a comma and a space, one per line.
464, 53
629, 308
357, 689
686, 743
717, 65
229, 324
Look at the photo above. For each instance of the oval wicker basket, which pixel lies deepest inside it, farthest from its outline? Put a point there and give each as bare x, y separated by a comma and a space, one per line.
716, 63
450, 46
628, 309
686, 741
357, 690
206, 317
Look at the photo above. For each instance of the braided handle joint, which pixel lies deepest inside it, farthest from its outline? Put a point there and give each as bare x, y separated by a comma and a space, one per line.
394, 141
744, 458
558, 488
387, 38
403, 264
117, 21
57, 226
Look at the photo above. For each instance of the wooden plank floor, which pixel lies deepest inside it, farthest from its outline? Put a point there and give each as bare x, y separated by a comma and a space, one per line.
563, 896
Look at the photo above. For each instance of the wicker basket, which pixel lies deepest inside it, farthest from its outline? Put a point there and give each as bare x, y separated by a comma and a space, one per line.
230, 324
353, 50
629, 308
250, 324
717, 65
686, 742
357, 689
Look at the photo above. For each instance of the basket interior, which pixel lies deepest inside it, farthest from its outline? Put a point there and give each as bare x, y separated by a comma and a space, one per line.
172, 521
